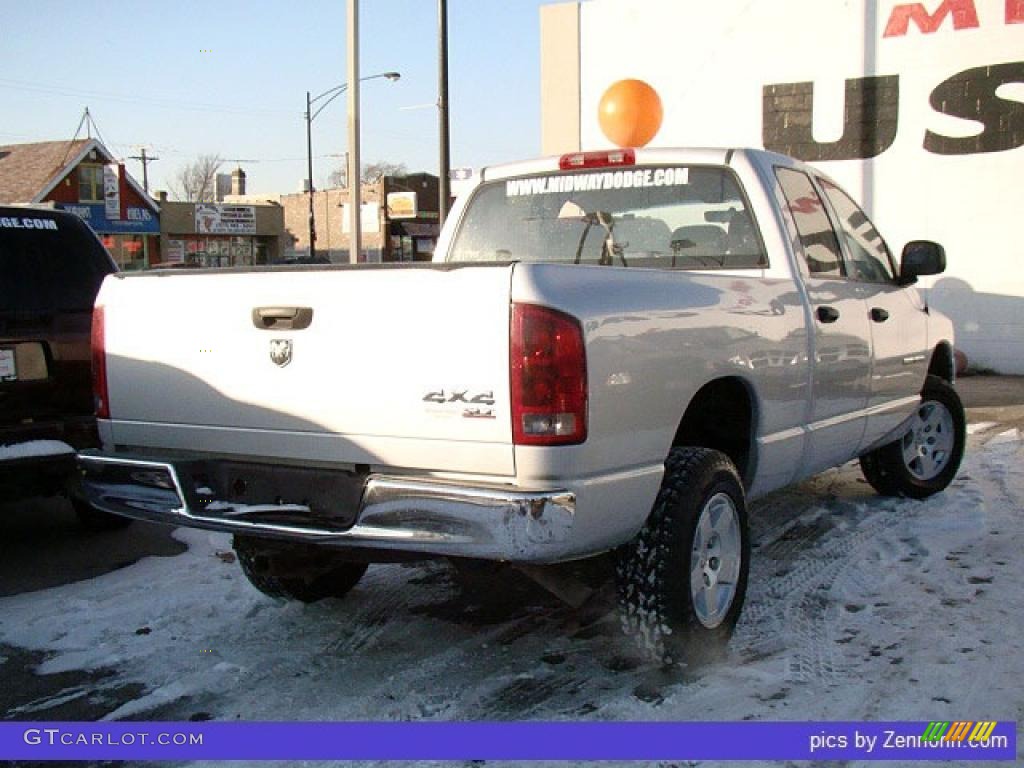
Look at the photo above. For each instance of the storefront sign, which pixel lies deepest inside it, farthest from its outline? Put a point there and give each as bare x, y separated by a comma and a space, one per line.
402, 205
461, 181
137, 221
112, 192
369, 217
175, 252
217, 219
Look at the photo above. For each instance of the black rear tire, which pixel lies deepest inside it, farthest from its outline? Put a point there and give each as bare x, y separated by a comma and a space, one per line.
926, 459
296, 571
680, 590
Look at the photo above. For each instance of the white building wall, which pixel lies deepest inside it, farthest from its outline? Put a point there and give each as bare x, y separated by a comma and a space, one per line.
714, 65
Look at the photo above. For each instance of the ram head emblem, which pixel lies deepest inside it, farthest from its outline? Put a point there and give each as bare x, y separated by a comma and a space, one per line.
281, 351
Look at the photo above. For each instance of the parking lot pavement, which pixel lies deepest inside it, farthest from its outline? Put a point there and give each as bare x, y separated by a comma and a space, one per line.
857, 606
995, 404
43, 545
985, 391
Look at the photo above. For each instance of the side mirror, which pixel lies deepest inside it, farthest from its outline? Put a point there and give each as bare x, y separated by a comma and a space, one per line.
921, 257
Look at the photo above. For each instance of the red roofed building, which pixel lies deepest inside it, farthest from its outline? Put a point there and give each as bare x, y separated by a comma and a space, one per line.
83, 177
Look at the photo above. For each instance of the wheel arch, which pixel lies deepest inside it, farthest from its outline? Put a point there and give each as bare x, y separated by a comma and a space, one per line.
943, 363
722, 415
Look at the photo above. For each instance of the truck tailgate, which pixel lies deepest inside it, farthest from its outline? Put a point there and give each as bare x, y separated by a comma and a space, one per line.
398, 367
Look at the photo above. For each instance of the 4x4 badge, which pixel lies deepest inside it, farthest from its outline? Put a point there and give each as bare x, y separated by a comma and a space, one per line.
281, 351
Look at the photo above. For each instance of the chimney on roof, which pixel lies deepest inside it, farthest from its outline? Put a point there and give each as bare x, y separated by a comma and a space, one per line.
238, 181
222, 182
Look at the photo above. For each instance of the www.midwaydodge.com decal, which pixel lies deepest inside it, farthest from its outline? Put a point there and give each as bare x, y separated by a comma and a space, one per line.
590, 182
25, 223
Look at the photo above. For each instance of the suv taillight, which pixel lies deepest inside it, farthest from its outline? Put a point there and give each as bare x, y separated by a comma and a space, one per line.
548, 363
99, 365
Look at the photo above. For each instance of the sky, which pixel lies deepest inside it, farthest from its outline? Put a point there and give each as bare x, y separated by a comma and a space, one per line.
229, 78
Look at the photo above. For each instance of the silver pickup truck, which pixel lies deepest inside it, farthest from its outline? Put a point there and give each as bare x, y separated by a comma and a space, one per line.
611, 351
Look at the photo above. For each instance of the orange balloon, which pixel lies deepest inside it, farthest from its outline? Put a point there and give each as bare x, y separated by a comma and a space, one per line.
630, 113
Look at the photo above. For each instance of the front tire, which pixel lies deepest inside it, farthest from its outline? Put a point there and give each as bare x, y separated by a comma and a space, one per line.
682, 579
296, 571
926, 459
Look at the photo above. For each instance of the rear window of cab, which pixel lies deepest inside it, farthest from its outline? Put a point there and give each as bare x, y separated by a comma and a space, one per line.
48, 263
666, 217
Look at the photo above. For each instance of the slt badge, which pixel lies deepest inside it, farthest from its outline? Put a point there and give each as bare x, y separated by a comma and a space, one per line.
281, 351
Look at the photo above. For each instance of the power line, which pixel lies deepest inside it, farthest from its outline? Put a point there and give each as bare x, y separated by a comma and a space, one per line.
24, 85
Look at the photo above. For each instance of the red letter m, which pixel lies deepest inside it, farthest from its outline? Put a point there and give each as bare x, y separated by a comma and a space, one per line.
1015, 11
964, 17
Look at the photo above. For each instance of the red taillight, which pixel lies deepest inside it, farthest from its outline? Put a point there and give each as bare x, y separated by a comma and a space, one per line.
549, 377
99, 365
603, 159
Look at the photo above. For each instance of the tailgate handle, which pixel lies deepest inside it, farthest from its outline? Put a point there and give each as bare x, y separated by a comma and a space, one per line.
282, 318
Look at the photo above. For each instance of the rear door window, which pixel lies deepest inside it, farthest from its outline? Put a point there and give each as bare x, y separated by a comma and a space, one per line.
49, 264
667, 217
820, 246
870, 257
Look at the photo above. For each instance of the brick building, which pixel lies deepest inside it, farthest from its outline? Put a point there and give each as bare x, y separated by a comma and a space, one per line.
83, 177
238, 230
399, 220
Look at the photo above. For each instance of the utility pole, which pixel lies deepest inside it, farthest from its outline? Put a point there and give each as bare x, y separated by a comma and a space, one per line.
355, 233
442, 109
309, 178
146, 160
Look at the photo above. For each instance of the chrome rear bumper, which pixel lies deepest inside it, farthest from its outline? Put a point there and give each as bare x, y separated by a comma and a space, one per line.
394, 513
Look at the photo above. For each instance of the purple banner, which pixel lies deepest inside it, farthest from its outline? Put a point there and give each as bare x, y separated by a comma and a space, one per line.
570, 741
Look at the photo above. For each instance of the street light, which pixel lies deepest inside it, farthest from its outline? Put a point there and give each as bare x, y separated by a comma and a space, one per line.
327, 97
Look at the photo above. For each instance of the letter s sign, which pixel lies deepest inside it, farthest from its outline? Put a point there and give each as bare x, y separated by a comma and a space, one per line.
971, 95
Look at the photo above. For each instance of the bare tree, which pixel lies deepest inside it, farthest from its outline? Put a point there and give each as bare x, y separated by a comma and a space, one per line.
371, 173
197, 181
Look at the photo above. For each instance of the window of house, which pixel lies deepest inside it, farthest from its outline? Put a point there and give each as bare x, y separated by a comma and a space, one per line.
820, 246
90, 183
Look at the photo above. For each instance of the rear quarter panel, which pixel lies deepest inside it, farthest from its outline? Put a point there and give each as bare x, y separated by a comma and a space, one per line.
653, 339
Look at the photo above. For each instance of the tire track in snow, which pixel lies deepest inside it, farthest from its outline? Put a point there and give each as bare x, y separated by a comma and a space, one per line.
388, 597
792, 604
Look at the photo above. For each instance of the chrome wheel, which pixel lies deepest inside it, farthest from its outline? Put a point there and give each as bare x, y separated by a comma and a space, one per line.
715, 560
928, 444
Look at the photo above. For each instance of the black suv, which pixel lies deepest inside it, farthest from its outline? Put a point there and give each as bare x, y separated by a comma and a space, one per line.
51, 267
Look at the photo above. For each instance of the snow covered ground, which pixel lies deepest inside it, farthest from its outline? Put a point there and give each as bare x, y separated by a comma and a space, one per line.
859, 608
34, 449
